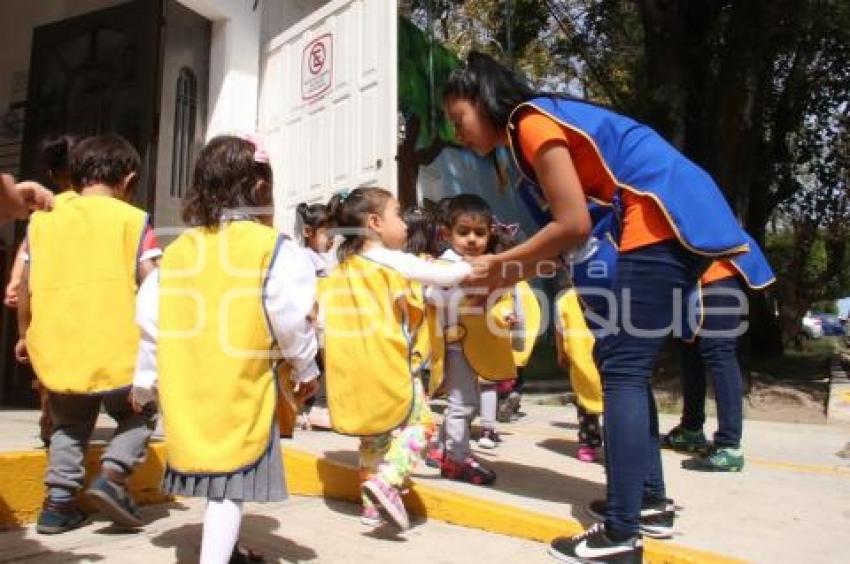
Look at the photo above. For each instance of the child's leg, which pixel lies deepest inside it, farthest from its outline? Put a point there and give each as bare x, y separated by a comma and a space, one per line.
409, 443
463, 398
489, 404
74, 417
372, 453
589, 433
129, 444
221, 529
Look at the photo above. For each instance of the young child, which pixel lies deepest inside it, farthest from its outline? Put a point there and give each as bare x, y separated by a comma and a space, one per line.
215, 373
55, 154
75, 312
473, 352
313, 225
370, 313
574, 343
422, 242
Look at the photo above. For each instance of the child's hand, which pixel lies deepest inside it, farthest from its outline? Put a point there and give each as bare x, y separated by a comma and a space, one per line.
512, 320
21, 353
306, 390
141, 398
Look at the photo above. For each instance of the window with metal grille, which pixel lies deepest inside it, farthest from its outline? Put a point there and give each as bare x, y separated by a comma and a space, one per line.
185, 112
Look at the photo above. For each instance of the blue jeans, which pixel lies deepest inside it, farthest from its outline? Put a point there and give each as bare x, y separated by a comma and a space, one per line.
718, 354
645, 287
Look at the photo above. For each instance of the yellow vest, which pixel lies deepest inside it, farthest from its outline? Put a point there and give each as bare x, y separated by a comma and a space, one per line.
368, 312
488, 351
83, 338
578, 342
532, 314
215, 349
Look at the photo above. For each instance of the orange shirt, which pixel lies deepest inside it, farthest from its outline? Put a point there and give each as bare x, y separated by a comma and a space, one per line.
718, 270
643, 221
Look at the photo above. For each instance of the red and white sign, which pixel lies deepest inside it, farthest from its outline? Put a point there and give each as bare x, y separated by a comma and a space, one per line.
317, 67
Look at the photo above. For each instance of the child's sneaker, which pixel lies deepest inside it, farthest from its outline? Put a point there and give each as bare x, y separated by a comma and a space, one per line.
58, 518
470, 470
656, 518
489, 439
684, 440
434, 457
371, 517
387, 499
594, 545
586, 453
505, 412
114, 501
718, 459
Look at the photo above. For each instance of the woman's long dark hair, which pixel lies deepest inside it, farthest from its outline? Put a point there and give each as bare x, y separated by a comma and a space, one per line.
496, 88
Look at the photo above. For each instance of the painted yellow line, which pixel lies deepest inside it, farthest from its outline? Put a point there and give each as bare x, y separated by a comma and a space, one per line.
842, 471
22, 488
21, 494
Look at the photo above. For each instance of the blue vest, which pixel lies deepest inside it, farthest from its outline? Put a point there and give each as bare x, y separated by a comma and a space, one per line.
697, 214
639, 160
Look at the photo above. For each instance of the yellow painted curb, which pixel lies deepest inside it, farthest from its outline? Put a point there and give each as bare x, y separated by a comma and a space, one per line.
309, 475
22, 492
22, 477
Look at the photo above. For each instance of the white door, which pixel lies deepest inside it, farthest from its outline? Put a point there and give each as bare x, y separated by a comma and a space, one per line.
328, 104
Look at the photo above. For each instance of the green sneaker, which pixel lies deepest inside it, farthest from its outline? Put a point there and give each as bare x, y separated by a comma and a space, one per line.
719, 459
685, 440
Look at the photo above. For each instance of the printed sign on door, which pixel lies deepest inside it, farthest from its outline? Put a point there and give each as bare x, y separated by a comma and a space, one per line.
317, 67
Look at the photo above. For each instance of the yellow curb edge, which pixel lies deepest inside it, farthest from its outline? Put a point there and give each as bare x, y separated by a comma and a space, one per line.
22, 492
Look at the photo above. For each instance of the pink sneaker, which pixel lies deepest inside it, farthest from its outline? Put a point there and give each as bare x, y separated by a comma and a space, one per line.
586, 453
371, 517
387, 498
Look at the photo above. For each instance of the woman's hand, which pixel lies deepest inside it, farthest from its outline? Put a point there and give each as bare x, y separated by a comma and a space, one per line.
486, 273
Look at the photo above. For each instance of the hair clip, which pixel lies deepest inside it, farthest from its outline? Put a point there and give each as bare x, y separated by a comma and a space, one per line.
511, 228
260, 153
343, 195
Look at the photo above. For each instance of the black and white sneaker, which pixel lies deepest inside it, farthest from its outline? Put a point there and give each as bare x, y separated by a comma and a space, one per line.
656, 519
593, 545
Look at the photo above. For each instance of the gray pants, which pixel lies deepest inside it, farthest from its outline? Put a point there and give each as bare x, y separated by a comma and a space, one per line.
74, 418
489, 405
463, 398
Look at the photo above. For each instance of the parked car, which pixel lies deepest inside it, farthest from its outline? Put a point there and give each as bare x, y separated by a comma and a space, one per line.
830, 324
812, 326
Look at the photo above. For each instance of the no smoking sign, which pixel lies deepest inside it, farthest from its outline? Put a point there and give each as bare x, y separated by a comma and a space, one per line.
317, 67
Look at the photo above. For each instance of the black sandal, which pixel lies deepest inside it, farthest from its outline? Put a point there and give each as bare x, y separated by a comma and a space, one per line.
243, 555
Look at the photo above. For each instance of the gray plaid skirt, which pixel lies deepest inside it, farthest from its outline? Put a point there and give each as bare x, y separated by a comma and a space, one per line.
262, 481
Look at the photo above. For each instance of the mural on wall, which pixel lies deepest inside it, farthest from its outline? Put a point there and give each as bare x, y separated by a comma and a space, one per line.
431, 164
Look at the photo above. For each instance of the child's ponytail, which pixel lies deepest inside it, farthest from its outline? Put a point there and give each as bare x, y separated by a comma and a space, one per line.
349, 213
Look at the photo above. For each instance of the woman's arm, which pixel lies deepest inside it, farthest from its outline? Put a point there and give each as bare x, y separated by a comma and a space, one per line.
568, 229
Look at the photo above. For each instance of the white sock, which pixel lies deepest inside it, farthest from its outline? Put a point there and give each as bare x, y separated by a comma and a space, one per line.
221, 529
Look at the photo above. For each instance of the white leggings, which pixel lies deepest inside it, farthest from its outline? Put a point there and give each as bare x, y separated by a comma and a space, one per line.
221, 530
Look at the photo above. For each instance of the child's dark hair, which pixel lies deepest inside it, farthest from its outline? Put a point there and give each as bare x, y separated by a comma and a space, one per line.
467, 204
225, 178
496, 88
421, 231
314, 216
349, 213
103, 159
56, 152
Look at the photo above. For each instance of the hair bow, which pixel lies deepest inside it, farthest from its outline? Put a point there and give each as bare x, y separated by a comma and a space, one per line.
511, 228
260, 153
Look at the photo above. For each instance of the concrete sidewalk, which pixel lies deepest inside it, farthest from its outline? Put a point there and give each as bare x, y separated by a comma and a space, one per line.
299, 530
791, 503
